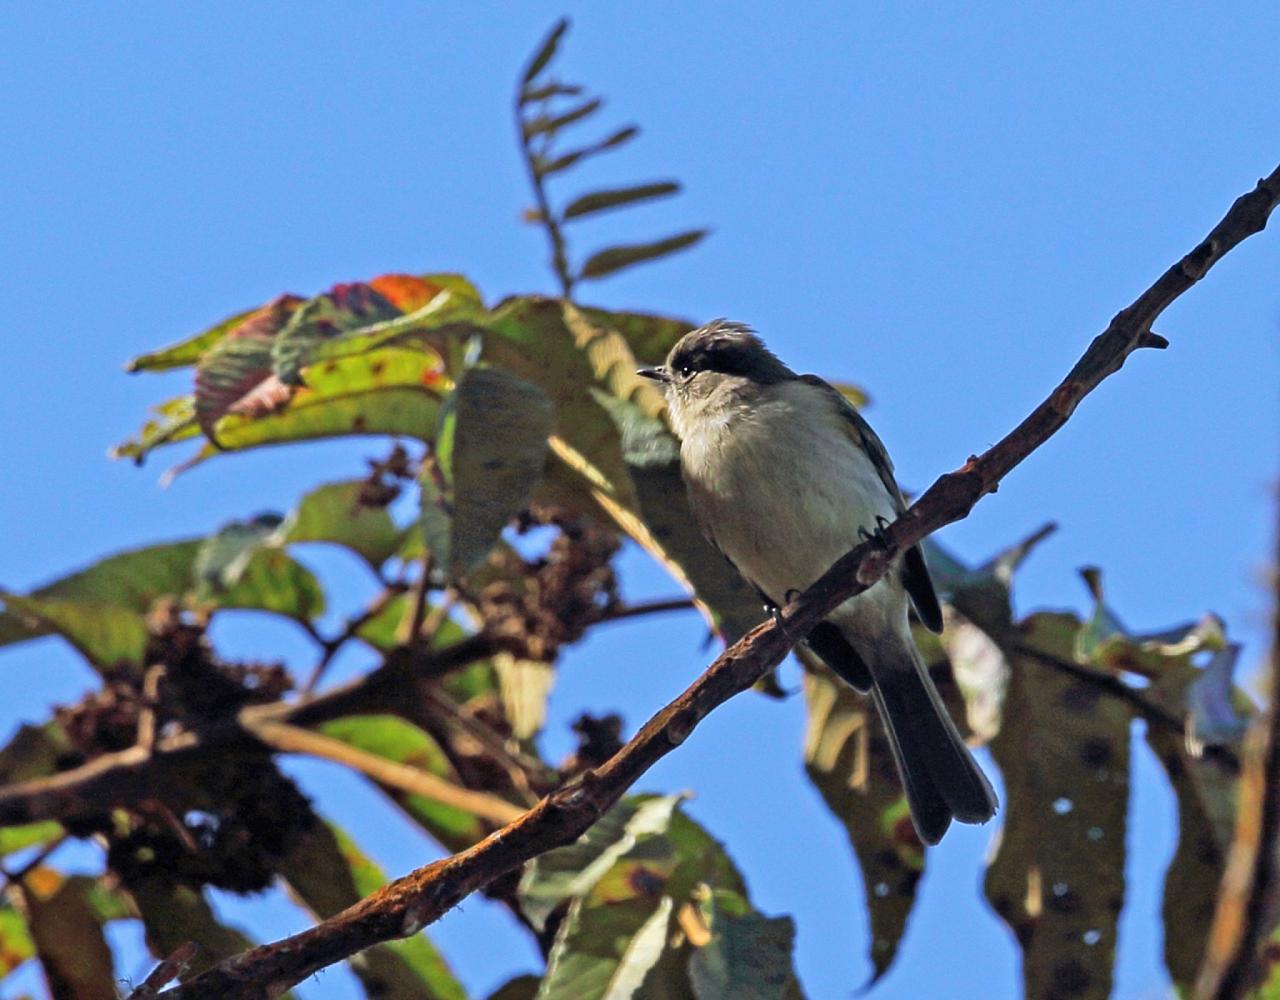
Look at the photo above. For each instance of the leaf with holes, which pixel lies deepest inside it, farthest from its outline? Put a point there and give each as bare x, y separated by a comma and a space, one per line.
748, 956
1057, 879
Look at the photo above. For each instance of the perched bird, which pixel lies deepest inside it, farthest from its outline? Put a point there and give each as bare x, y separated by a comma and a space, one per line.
784, 477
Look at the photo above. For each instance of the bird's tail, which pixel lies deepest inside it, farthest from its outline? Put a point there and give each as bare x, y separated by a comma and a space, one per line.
939, 774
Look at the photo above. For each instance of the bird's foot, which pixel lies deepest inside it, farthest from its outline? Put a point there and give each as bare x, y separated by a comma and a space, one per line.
878, 535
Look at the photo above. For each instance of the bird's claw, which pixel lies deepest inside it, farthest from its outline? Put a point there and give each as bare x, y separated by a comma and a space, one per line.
878, 535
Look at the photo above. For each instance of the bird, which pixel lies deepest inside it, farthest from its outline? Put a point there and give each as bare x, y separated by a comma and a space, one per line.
784, 477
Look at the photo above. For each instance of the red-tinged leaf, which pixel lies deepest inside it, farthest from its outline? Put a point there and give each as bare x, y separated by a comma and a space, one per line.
407, 292
600, 201
614, 259
546, 51
235, 375
341, 309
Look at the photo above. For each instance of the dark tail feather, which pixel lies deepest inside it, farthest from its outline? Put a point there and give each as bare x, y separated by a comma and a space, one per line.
940, 775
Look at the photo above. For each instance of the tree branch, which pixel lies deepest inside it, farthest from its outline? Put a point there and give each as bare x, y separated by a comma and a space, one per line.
1246, 902
406, 905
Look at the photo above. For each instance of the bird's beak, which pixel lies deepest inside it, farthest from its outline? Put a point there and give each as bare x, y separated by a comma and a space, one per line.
657, 374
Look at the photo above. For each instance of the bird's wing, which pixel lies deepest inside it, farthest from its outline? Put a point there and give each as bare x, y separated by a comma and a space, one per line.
915, 573
707, 526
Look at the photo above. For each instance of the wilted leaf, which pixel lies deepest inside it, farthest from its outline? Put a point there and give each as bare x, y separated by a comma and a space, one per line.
404, 743
334, 513
328, 873
174, 420
520, 988
498, 448
67, 934
606, 262
848, 759
600, 201
234, 375
384, 392
546, 51
748, 956
1058, 877
524, 686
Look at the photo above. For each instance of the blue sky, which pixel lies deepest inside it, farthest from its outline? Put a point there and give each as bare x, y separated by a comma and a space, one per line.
943, 205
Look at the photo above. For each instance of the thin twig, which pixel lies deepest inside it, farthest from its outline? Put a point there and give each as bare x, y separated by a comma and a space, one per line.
408, 904
1246, 901
1153, 714
354, 625
546, 218
409, 628
150, 703
648, 608
285, 738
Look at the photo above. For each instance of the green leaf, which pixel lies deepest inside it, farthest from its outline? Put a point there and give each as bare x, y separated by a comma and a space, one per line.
847, 757
343, 308
600, 201
328, 872
67, 935
1058, 877
106, 636
498, 450
606, 951
614, 259
546, 51
133, 580
650, 337
174, 420
384, 392
545, 168
224, 556
16, 945
402, 742
19, 838
273, 582
573, 871
187, 351
333, 513
747, 958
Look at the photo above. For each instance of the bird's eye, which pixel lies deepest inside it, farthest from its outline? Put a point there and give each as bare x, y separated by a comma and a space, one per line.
685, 371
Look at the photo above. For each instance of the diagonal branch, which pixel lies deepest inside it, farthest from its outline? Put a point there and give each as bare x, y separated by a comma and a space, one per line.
408, 904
